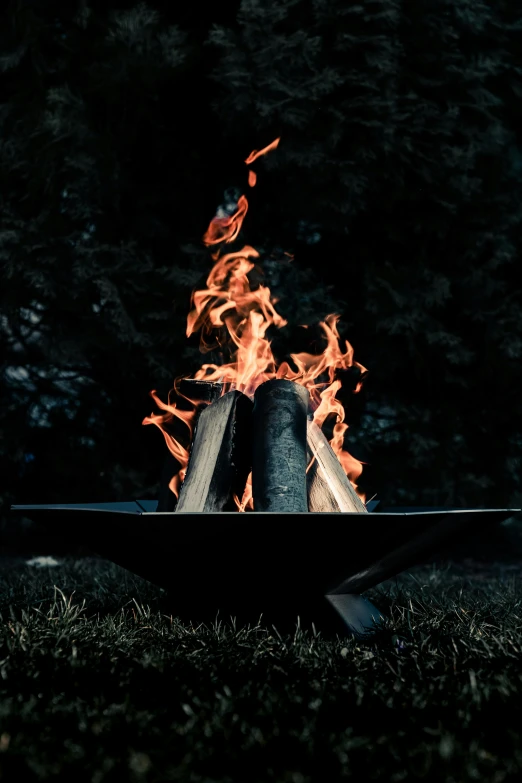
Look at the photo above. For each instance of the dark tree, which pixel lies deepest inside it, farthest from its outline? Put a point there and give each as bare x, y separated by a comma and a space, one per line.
402, 148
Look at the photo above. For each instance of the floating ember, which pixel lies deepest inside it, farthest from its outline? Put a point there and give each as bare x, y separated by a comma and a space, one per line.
234, 314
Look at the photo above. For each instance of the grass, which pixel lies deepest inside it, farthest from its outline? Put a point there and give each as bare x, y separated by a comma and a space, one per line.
98, 683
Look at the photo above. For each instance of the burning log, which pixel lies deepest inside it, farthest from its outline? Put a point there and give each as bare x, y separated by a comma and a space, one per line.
220, 456
200, 391
203, 393
279, 446
328, 486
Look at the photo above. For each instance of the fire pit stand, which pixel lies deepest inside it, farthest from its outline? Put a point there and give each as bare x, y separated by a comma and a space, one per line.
278, 564
310, 537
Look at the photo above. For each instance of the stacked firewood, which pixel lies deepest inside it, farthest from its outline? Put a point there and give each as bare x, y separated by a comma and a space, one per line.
274, 437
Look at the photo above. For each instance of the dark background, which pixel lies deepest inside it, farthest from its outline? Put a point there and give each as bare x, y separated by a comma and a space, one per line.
397, 186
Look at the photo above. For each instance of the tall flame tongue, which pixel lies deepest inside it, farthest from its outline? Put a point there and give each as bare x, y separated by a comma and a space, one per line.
162, 421
236, 317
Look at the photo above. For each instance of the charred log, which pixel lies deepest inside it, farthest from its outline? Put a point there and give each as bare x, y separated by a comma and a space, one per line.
279, 447
199, 391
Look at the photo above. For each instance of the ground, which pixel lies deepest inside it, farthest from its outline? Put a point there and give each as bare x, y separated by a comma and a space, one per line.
99, 683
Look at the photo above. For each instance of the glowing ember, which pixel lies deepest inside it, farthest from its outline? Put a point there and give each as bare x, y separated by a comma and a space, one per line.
236, 316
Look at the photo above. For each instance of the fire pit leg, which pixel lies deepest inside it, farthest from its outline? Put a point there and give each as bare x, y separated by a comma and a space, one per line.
336, 615
279, 447
360, 616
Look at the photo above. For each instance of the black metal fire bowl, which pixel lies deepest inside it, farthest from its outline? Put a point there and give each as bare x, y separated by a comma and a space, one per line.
274, 564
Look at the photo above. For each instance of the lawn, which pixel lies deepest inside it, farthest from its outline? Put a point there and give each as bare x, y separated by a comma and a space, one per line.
100, 683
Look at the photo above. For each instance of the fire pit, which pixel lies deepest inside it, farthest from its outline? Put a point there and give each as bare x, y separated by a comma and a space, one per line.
252, 440
270, 563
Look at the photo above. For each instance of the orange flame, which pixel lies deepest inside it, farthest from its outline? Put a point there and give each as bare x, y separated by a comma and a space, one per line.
255, 154
247, 501
226, 229
176, 449
238, 317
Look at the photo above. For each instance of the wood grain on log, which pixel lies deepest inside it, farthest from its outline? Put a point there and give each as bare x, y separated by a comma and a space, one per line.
202, 392
328, 486
279, 447
220, 457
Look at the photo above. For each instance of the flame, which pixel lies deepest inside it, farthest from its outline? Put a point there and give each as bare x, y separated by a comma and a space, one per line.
229, 312
226, 229
247, 501
255, 154
176, 449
